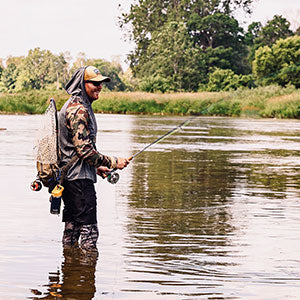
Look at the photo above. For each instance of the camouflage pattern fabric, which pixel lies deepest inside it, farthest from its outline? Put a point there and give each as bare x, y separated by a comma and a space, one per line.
71, 234
77, 119
89, 235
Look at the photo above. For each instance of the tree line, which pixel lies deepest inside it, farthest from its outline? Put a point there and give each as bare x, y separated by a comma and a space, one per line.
194, 45
43, 70
180, 45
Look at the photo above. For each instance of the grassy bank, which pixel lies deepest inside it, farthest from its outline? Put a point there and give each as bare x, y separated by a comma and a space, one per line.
271, 101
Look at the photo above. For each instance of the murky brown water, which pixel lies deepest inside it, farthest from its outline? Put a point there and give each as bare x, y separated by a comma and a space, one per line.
213, 212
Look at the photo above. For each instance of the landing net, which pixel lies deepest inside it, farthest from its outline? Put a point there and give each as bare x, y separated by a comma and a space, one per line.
46, 144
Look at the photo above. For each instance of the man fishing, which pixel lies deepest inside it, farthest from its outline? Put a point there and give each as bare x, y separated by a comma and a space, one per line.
77, 138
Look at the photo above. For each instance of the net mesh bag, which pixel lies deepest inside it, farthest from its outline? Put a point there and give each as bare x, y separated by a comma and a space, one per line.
46, 144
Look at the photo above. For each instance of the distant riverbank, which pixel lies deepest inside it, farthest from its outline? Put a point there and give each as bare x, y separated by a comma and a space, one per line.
268, 102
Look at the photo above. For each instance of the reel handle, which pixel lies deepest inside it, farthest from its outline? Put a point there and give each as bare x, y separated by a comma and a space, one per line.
113, 177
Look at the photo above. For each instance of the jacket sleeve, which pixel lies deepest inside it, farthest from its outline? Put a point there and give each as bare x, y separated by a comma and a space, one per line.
77, 119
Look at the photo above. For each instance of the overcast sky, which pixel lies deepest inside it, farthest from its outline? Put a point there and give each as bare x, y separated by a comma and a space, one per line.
89, 26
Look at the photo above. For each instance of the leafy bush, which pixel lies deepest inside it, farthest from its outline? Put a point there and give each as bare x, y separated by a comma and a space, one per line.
278, 64
156, 83
226, 80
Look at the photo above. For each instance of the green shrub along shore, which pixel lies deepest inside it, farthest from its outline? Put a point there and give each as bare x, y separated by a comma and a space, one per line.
267, 102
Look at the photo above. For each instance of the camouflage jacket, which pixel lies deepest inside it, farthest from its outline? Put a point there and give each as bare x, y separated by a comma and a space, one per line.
77, 136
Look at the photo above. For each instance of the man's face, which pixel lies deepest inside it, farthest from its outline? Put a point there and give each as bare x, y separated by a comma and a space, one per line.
93, 88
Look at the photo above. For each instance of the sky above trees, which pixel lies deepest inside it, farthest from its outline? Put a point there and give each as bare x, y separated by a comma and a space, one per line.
91, 27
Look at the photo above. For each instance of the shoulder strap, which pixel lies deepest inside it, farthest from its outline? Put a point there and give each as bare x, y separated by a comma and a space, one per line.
65, 168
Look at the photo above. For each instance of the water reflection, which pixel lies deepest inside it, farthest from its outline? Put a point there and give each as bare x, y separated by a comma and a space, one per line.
185, 232
180, 216
75, 279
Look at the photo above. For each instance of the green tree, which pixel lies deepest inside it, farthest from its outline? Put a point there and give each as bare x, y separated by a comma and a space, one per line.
215, 30
258, 36
41, 69
221, 38
275, 29
9, 77
171, 56
37, 70
279, 64
146, 17
10, 73
61, 68
253, 32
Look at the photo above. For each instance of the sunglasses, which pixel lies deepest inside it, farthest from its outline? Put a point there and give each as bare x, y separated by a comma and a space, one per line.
96, 83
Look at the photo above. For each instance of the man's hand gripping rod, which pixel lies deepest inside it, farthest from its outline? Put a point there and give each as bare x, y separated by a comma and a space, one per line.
113, 177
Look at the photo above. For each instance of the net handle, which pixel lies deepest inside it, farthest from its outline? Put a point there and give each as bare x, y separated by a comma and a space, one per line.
52, 102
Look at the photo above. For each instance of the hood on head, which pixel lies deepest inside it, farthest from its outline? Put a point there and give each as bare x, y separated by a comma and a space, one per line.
75, 86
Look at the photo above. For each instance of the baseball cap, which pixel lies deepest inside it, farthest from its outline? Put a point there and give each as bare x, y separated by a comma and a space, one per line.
93, 74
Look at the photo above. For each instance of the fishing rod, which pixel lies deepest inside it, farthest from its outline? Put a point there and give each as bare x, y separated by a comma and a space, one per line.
113, 176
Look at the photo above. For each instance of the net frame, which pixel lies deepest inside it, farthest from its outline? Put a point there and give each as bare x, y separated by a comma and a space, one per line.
47, 136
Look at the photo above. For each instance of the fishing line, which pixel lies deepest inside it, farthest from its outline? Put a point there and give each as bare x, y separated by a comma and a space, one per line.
113, 177
162, 137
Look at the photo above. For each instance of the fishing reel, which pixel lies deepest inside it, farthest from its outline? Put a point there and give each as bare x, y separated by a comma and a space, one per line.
36, 185
113, 177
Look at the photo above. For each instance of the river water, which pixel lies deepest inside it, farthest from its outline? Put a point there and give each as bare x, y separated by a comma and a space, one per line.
212, 212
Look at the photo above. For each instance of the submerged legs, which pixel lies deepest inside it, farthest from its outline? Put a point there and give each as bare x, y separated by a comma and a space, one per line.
89, 235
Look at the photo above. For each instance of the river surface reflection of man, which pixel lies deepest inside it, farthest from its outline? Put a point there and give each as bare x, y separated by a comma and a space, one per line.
75, 280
